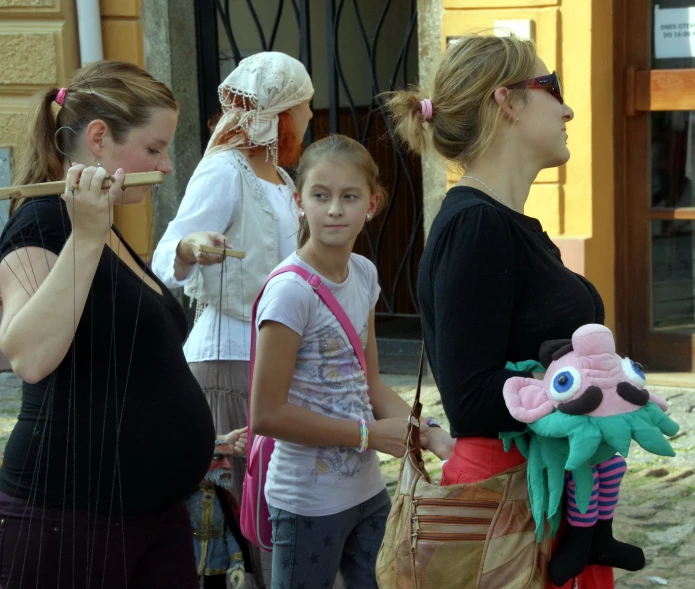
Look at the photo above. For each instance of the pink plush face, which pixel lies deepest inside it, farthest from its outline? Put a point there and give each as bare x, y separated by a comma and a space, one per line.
586, 377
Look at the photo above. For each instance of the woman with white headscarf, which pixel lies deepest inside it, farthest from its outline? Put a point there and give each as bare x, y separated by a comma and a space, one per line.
239, 196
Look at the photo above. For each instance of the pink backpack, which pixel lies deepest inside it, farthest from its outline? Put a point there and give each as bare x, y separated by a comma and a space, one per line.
255, 517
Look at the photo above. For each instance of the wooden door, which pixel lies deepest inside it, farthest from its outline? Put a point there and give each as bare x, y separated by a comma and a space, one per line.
655, 183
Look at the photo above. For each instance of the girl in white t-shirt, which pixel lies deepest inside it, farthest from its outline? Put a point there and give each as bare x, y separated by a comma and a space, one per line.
327, 499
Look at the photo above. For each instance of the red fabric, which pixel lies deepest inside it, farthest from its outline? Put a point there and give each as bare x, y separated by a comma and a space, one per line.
475, 459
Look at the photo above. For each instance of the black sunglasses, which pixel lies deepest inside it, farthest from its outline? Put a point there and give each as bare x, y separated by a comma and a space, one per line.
550, 83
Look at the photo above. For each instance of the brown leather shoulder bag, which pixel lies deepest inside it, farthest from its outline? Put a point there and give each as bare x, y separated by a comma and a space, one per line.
467, 536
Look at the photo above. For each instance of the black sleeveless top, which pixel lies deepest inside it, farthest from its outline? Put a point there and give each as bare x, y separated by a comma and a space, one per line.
121, 423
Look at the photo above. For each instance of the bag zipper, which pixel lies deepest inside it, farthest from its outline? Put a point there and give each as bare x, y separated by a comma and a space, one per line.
436, 519
415, 518
444, 537
455, 503
453, 537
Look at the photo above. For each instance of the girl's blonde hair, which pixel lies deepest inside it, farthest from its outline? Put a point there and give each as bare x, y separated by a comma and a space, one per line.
120, 94
339, 148
465, 116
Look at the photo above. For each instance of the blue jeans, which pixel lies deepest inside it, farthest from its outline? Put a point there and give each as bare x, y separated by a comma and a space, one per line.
309, 551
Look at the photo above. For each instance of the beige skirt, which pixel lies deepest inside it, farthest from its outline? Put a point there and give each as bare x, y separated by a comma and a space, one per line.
225, 384
226, 387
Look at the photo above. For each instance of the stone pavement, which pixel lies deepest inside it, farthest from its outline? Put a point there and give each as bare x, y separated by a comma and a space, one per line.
657, 500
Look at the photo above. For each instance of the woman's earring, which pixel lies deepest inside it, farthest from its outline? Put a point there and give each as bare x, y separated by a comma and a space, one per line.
301, 214
369, 216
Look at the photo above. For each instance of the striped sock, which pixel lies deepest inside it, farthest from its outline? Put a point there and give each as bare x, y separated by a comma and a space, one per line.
574, 516
605, 549
610, 475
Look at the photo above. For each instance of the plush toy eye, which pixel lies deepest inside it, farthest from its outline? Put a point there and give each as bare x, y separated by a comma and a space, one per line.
565, 383
634, 371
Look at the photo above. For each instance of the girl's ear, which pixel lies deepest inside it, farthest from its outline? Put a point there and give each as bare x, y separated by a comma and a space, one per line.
298, 199
373, 202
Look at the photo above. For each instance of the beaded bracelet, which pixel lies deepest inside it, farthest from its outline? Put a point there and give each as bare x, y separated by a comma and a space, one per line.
364, 435
432, 423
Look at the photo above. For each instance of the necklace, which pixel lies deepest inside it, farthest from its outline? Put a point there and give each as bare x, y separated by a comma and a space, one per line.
497, 196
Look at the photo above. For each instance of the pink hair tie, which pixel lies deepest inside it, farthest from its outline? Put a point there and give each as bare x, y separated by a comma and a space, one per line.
60, 98
426, 109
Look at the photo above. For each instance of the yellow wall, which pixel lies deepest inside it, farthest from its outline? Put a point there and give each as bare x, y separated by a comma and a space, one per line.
121, 30
38, 44
122, 39
600, 247
574, 202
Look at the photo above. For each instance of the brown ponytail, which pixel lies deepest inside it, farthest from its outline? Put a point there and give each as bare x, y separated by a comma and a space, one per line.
41, 161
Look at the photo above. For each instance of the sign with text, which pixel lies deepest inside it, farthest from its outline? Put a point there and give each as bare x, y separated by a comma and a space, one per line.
674, 32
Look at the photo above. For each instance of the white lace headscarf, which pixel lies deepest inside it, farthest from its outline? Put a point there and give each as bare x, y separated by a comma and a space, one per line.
273, 83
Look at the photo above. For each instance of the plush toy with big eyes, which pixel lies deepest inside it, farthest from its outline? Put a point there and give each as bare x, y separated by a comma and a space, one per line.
585, 412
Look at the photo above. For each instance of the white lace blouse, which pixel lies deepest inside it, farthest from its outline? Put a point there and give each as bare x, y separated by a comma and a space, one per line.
208, 205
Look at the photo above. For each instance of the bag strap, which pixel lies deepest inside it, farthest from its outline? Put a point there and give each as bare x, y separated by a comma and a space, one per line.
330, 301
419, 373
413, 437
327, 297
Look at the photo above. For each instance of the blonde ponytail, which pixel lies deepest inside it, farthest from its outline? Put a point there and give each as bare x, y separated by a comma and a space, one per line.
465, 117
405, 107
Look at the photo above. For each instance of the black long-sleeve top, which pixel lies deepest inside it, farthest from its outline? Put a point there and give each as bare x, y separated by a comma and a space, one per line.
492, 288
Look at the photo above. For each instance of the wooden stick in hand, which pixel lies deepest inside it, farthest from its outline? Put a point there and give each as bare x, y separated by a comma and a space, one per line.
50, 188
222, 252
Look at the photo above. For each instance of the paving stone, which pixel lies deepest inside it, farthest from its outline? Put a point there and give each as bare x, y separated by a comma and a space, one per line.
672, 536
687, 551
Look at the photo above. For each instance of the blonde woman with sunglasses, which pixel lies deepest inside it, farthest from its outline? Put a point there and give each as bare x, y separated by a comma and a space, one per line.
492, 286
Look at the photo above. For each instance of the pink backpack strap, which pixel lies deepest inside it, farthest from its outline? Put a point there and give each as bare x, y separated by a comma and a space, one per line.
327, 297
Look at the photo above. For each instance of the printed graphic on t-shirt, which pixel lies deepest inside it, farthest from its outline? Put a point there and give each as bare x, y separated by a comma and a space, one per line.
345, 462
336, 371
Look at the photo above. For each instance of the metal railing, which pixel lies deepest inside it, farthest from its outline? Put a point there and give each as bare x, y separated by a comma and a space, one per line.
393, 241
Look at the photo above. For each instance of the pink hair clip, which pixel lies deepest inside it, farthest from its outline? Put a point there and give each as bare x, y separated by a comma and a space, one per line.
426, 109
60, 98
